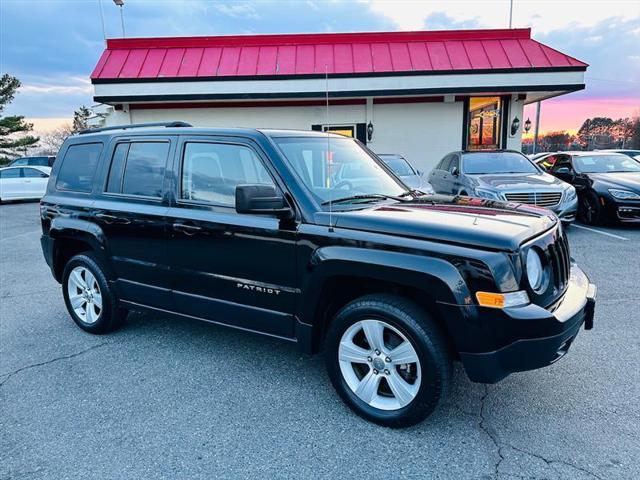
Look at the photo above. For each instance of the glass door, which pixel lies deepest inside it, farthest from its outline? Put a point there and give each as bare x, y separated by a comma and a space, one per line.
485, 115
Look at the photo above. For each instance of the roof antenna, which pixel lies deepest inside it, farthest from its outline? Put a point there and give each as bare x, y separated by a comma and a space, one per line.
329, 157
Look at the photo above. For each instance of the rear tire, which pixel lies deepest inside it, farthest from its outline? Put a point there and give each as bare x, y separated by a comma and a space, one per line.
88, 297
398, 378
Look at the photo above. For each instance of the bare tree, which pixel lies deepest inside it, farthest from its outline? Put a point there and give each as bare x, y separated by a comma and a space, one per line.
51, 142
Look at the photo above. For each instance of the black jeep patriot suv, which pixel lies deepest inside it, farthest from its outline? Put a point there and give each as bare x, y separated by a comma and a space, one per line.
261, 230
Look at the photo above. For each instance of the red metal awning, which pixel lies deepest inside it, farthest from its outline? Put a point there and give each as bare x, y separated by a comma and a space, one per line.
341, 54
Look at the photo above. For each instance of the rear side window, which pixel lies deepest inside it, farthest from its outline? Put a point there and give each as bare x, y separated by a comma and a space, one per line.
10, 173
137, 168
78, 167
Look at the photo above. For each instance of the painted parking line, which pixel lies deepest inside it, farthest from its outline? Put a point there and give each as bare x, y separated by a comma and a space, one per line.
599, 231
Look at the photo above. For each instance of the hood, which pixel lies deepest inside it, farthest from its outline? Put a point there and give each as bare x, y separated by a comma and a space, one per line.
462, 220
627, 180
517, 181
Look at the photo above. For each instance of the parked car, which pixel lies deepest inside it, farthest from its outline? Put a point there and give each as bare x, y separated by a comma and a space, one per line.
404, 170
23, 183
244, 228
635, 154
608, 184
504, 175
43, 161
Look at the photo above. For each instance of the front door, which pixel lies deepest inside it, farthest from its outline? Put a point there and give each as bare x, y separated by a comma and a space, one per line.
227, 267
35, 181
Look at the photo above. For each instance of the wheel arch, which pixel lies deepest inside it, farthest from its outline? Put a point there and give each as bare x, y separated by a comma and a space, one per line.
72, 236
339, 275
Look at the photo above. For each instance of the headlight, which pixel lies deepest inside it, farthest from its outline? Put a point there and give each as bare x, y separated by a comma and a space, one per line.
624, 194
490, 194
535, 273
570, 194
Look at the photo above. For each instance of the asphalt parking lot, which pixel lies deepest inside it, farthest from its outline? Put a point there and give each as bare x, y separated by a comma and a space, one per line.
167, 398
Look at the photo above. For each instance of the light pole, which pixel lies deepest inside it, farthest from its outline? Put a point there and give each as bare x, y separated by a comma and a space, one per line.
510, 13
120, 3
104, 30
535, 134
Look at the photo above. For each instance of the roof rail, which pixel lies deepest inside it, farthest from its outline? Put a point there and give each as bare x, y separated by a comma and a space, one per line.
135, 125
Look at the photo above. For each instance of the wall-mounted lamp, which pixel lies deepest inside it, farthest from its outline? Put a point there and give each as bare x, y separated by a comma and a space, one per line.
515, 125
527, 126
369, 131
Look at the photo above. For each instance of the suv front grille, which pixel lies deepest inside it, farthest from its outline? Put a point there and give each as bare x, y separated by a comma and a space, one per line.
560, 262
541, 199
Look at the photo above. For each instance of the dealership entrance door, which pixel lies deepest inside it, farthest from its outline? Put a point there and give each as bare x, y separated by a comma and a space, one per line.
484, 122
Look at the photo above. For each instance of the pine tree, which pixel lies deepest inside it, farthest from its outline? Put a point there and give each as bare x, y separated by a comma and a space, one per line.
12, 143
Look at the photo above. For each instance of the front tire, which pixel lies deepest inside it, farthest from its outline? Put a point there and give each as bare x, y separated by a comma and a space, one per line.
388, 360
589, 209
88, 297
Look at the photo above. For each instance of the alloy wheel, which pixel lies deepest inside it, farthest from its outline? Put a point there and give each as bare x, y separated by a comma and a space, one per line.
84, 295
379, 364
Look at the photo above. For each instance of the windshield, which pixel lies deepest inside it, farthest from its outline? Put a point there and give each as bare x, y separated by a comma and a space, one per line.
497, 162
348, 170
399, 165
605, 163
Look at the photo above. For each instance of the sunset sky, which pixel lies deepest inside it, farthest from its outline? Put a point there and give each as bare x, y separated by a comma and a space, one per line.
53, 45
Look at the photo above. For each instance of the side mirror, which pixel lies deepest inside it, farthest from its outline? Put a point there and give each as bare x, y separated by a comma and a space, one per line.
455, 172
261, 200
563, 171
420, 173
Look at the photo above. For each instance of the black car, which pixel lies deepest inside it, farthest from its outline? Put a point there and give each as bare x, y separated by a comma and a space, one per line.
42, 161
635, 154
608, 184
249, 229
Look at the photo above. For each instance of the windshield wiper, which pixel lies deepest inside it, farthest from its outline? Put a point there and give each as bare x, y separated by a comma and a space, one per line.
371, 196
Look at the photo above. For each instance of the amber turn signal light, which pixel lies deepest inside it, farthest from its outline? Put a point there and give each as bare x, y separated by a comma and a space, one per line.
502, 300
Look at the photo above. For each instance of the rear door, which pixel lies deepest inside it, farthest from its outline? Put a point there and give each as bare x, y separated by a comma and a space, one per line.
227, 267
10, 183
131, 209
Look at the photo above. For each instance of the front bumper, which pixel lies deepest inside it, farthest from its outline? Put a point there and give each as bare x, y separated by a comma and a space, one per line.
575, 309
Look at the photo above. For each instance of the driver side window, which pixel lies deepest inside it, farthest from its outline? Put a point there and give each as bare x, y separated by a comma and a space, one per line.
562, 162
454, 165
211, 172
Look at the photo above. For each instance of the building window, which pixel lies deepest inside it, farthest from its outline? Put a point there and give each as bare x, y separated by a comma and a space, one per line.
485, 115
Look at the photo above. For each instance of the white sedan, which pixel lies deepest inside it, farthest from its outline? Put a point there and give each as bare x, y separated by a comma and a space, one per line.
22, 183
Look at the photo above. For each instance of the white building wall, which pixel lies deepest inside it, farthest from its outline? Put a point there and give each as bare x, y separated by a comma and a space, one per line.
421, 132
300, 118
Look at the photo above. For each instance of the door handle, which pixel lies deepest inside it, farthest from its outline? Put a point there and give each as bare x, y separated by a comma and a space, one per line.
186, 228
27, 181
